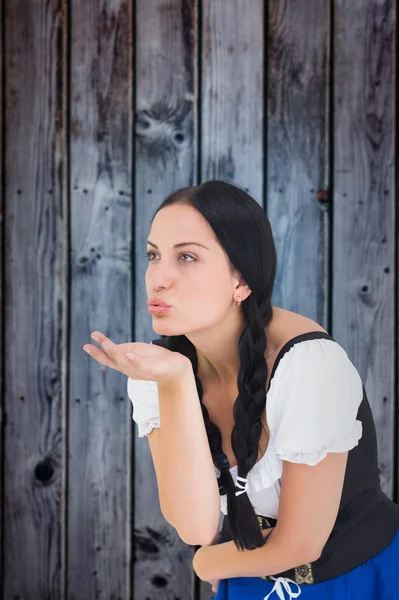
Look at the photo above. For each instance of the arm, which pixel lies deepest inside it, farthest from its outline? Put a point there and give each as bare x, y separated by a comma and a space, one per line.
224, 560
187, 484
308, 507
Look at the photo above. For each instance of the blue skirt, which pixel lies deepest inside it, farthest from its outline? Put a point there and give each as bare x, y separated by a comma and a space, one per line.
376, 579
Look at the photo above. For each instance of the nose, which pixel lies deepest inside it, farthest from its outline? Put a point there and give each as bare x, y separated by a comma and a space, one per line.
157, 282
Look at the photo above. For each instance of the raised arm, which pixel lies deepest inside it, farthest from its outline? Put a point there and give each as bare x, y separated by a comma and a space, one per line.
187, 484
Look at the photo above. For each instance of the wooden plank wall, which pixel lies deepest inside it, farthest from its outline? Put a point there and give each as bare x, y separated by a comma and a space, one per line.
107, 106
365, 234
35, 301
165, 159
98, 493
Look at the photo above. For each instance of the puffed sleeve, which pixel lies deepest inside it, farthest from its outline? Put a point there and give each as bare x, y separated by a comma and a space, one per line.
144, 397
314, 402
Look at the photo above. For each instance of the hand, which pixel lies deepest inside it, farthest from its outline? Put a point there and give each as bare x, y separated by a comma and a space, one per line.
215, 584
199, 566
151, 362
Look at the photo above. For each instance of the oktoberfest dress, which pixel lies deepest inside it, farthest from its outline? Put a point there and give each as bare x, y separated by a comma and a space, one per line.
316, 403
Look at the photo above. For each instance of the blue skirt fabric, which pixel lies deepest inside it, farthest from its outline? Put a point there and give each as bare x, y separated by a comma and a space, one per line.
376, 579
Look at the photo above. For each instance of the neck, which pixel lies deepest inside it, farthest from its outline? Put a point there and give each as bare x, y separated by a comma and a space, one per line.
217, 351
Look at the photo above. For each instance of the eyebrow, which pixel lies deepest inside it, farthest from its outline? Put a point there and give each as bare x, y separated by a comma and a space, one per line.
179, 245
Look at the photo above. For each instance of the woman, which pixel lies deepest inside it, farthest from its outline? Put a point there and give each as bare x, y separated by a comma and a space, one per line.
264, 399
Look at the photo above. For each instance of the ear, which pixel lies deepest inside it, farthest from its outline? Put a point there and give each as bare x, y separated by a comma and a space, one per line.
243, 289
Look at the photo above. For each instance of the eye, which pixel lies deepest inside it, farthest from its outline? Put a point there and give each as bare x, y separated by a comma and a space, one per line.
150, 254
189, 256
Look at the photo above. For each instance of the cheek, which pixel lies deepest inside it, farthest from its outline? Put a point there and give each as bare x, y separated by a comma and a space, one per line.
212, 300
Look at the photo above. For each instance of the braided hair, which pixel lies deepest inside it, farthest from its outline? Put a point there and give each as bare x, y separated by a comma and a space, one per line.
244, 232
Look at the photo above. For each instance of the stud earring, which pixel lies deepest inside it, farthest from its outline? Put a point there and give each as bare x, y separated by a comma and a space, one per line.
239, 302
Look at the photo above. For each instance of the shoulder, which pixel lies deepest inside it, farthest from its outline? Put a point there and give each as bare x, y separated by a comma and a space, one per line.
310, 362
313, 401
286, 325
323, 354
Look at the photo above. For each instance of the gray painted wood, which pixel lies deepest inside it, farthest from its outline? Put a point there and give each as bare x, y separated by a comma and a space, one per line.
80, 491
232, 93
2, 249
99, 423
364, 207
296, 153
232, 102
34, 302
166, 138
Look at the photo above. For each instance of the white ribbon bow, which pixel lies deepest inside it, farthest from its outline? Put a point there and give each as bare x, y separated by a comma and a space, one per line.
243, 489
282, 582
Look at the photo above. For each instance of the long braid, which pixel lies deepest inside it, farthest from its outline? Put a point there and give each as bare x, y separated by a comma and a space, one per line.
247, 411
184, 346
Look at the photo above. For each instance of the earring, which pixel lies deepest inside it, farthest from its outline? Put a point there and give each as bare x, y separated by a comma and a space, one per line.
239, 302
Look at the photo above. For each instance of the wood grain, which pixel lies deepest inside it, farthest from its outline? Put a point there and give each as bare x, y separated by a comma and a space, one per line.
232, 102
296, 154
99, 426
165, 150
232, 78
365, 207
108, 107
34, 306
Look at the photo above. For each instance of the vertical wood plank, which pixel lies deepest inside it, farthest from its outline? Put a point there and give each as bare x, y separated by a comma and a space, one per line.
100, 432
232, 93
364, 205
296, 150
166, 90
232, 102
34, 303
1, 294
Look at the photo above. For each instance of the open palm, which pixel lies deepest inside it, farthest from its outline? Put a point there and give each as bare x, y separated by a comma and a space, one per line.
138, 360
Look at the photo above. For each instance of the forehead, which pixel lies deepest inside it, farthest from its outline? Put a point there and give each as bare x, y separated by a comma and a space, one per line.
173, 223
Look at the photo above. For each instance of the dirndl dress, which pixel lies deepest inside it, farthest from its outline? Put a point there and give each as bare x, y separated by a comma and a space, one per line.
314, 372
376, 579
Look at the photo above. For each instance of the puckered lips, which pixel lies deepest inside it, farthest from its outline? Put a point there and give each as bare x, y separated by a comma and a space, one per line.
156, 306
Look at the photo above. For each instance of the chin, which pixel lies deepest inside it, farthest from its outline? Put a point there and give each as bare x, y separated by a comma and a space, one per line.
162, 328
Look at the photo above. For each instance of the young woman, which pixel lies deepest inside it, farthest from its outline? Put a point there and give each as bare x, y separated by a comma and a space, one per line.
263, 416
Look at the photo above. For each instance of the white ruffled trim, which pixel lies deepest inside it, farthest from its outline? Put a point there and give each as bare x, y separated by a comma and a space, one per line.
146, 428
269, 468
312, 457
263, 474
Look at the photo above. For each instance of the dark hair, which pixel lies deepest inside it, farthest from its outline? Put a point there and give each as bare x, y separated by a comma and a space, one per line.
244, 232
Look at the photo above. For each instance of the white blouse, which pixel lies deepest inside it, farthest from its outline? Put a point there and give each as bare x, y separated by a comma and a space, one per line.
311, 409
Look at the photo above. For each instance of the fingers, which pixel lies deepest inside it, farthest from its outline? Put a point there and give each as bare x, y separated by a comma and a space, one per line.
111, 355
103, 356
117, 357
112, 352
99, 355
102, 340
215, 586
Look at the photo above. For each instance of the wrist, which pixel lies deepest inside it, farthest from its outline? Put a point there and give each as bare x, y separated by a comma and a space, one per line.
180, 376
